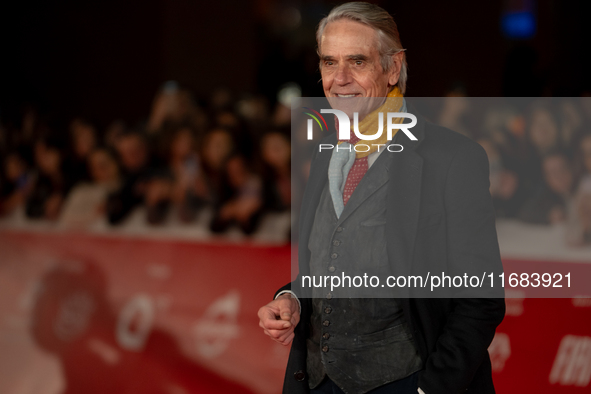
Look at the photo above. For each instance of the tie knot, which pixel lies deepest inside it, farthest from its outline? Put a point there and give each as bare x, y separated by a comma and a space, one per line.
353, 140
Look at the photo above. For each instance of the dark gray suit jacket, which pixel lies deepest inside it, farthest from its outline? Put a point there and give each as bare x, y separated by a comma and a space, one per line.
439, 213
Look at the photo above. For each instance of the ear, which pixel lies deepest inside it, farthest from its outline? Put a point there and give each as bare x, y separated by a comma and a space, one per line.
394, 72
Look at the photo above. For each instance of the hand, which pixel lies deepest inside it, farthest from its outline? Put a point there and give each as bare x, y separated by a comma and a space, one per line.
279, 318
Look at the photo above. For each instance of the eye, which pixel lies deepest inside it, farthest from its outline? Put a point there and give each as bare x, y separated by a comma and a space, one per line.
358, 62
328, 63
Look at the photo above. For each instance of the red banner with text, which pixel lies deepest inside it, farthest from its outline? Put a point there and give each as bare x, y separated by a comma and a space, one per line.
82, 313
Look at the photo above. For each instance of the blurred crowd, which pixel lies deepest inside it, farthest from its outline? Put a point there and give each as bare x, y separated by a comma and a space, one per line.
539, 154
229, 156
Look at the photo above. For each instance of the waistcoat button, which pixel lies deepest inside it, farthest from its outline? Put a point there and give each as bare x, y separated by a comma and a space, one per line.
332, 268
325, 348
299, 376
325, 335
326, 323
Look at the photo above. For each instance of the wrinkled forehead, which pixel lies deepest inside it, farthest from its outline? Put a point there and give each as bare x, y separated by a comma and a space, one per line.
348, 37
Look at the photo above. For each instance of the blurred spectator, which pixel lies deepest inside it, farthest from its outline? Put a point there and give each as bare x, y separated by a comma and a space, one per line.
579, 221
83, 140
524, 142
584, 156
549, 205
571, 116
456, 107
15, 183
183, 164
174, 105
157, 196
255, 110
135, 163
241, 201
216, 148
86, 202
244, 140
503, 182
544, 128
276, 171
227, 119
228, 184
104, 170
172, 180
50, 185
115, 130
221, 98
505, 126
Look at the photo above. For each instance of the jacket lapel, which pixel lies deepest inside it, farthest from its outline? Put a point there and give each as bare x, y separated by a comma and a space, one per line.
316, 182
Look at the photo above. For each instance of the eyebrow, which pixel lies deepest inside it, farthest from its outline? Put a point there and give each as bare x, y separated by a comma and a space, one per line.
357, 57
350, 57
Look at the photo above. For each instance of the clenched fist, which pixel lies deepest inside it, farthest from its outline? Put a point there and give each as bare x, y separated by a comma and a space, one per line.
279, 318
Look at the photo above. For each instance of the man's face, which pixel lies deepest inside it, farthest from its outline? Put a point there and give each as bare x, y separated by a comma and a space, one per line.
350, 62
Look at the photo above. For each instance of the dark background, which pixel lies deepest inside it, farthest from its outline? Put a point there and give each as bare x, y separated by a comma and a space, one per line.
106, 59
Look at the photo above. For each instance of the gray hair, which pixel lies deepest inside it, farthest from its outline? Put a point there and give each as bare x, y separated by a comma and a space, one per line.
382, 22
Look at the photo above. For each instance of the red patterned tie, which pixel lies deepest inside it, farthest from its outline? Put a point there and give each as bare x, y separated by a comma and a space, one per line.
357, 172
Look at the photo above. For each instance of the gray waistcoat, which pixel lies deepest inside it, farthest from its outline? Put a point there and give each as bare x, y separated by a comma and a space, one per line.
360, 343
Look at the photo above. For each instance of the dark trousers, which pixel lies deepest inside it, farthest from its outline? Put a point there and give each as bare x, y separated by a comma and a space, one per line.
408, 385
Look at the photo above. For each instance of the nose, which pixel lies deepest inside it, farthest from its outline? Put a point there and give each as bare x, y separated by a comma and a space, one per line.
343, 75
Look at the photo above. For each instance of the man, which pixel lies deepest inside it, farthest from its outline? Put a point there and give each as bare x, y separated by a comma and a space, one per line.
427, 206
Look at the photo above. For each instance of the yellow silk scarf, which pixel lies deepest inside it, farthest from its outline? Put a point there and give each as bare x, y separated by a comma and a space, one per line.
369, 124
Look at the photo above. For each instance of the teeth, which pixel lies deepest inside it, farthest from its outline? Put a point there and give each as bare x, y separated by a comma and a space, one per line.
346, 95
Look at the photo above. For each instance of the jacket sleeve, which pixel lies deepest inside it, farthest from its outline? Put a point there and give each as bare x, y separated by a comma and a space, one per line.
472, 247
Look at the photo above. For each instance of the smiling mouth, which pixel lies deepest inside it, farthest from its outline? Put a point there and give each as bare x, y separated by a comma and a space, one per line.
347, 95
